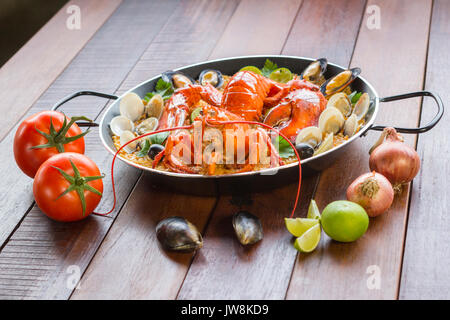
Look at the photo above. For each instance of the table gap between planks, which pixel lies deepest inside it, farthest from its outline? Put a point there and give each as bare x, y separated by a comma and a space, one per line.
40, 258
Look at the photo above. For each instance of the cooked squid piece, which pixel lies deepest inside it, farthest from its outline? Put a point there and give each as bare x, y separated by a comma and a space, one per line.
178, 234
248, 228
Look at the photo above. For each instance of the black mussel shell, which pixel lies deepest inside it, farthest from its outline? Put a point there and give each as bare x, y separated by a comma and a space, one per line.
248, 227
177, 78
304, 150
178, 234
339, 82
207, 76
315, 77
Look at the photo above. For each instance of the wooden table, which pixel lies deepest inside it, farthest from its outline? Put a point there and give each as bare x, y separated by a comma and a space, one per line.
122, 43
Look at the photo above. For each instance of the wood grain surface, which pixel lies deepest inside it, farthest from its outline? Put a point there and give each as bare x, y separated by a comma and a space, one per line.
341, 271
425, 273
264, 270
35, 66
101, 65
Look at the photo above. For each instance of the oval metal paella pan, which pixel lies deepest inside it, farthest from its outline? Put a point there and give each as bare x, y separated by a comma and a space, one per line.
254, 180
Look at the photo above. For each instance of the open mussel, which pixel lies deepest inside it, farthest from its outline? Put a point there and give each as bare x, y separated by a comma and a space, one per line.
314, 72
339, 82
177, 78
248, 227
178, 234
213, 77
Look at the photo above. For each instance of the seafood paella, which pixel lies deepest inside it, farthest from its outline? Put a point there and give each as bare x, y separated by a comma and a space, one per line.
223, 124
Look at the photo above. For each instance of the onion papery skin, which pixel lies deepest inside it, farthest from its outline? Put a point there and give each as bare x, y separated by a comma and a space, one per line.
373, 192
395, 160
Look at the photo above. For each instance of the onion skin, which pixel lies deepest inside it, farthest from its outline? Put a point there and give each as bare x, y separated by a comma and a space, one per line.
373, 192
395, 160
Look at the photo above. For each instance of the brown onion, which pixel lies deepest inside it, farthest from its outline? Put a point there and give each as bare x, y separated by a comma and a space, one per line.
395, 160
373, 192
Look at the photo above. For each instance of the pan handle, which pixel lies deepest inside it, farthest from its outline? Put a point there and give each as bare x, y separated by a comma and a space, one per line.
84, 93
431, 124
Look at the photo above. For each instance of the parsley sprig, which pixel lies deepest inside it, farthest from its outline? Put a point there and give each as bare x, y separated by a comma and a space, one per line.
163, 88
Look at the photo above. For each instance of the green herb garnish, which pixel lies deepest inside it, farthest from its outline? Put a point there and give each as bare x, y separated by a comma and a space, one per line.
163, 88
144, 149
268, 68
354, 96
284, 148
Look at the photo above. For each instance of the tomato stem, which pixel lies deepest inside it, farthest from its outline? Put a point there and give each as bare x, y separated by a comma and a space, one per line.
79, 184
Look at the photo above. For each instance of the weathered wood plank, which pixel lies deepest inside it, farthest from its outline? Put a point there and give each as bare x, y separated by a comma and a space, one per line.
47, 53
263, 271
192, 29
258, 27
425, 272
338, 270
101, 65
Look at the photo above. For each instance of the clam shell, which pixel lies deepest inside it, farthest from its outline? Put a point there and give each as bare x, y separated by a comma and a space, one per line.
331, 120
131, 106
178, 234
119, 124
341, 102
248, 228
310, 135
155, 106
350, 126
126, 136
362, 106
148, 125
326, 144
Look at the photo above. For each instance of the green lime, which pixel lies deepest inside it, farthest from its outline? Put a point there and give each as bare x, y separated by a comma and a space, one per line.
252, 69
309, 240
299, 226
195, 113
344, 221
313, 210
282, 75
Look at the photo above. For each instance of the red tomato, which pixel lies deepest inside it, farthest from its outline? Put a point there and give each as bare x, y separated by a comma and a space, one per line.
64, 182
27, 138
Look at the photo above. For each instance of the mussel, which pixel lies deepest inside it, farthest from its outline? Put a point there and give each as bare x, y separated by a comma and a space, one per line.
178, 234
213, 77
339, 82
341, 102
119, 124
314, 71
331, 120
248, 227
304, 150
131, 106
177, 78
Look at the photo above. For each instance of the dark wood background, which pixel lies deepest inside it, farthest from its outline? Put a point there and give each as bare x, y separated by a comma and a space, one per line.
122, 43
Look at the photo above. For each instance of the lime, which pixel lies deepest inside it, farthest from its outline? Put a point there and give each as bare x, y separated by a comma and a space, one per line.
252, 69
299, 226
313, 210
344, 221
282, 75
309, 240
195, 113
